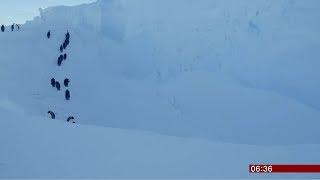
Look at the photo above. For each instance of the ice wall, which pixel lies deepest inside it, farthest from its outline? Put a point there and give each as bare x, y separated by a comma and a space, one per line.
105, 17
264, 44
113, 19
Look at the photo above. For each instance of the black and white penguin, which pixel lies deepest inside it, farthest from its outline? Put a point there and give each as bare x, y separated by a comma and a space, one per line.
70, 118
67, 95
53, 82
52, 115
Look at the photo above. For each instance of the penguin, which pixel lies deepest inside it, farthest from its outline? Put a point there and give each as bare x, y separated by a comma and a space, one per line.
67, 95
60, 59
67, 35
61, 48
64, 45
2, 28
53, 116
65, 56
59, 62
48, 34
69, 119
67, 41
12, 27
53, 82
58, 85
66, 82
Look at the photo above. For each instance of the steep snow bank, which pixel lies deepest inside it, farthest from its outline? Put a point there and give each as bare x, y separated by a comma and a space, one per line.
106, 17
266, 44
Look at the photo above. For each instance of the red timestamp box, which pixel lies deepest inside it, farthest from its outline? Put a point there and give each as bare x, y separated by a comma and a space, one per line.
284, 168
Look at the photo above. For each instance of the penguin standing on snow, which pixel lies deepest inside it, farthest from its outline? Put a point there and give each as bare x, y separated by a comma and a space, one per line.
66, 82
61, 48
52, 115
53, 82
65, 56
48, 34
67, 95
64, 45
60, 59
67, 41
2, 28
70, 118
68, 35
12, 27
58, 85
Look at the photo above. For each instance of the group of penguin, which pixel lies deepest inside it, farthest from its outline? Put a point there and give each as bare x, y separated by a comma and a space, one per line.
62, 47
53, 116
54, 82
12, 27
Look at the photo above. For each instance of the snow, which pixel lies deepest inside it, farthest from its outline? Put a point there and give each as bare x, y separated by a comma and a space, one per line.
161, 89
38, 147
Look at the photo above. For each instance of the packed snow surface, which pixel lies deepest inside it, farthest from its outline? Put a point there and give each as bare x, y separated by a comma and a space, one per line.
37, 147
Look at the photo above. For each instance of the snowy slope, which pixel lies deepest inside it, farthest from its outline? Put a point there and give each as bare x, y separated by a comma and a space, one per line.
207, 70
36, 147
199, 103
202, 74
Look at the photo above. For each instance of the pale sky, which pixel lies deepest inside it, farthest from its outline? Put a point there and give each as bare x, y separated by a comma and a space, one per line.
18, 11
